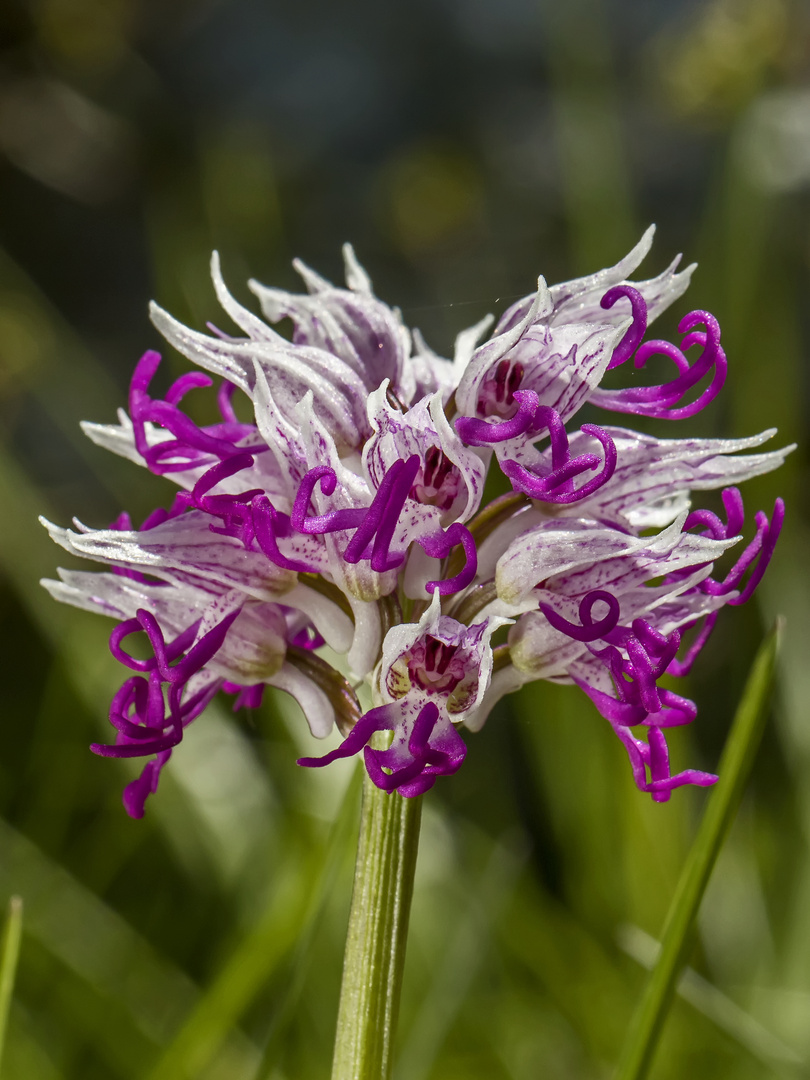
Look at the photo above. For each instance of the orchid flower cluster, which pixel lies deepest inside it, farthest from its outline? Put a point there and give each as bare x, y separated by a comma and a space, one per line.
342, 539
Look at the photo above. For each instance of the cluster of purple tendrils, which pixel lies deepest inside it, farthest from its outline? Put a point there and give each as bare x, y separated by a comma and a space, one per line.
531, 419
145, 720
375, 525
759, 551
650, 654
415, 762
661, 401
250, 516
191, 446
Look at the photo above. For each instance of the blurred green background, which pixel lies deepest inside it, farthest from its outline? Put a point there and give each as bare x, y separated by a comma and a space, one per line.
463, 146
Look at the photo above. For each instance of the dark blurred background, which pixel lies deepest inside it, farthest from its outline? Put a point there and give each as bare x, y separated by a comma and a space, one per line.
463, 147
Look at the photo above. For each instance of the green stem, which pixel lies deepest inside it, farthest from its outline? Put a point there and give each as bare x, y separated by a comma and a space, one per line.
677, 938
9, 954
378, 930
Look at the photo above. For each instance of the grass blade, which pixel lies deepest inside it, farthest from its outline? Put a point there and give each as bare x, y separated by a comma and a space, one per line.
735, 766
9, 954
716, 1006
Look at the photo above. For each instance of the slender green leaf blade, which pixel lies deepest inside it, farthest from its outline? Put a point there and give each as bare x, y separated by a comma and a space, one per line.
735, 767
9, 954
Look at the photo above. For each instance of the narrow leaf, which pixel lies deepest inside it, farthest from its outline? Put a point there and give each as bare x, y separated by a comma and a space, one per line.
677, 938
9, 953
725, 1013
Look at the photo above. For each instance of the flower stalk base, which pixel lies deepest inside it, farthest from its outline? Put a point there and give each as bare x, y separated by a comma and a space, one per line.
377, 935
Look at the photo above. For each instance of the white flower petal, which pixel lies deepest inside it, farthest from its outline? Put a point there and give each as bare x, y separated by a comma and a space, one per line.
356, 277
578, 301
396, 436
362, 656
182, 550
472, 370
290, 370
580, 551
351, 324
471, 649
251, 324
657, 474
316, 706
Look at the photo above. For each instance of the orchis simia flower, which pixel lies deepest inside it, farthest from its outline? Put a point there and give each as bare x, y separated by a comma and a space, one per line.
348, 513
